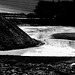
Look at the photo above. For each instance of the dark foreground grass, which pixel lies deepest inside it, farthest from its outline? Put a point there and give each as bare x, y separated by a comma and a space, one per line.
18, 65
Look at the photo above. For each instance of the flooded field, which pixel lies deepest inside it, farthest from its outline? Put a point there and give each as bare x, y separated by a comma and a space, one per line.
52, 47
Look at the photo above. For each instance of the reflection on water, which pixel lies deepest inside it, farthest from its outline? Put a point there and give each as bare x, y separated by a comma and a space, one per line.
44, 33
52, 47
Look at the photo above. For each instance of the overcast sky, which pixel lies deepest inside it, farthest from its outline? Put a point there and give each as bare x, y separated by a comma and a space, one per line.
21, 5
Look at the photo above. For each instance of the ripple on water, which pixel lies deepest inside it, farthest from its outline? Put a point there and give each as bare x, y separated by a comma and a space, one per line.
72, 44
56, 42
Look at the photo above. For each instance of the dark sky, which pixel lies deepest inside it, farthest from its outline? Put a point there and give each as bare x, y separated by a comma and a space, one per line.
24, 5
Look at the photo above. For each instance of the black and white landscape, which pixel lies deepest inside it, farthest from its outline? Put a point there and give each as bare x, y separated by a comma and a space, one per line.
37, 37
51, 34
52, 46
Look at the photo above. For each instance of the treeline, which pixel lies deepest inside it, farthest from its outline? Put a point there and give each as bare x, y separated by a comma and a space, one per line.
54, 12
46, 9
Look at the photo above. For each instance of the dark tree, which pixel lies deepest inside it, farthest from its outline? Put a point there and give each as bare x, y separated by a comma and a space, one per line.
67, 15
46, 9
31, 15
61, 12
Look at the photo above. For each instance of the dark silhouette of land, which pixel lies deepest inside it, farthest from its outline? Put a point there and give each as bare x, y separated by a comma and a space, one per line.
36, 65
68, 36
12, 37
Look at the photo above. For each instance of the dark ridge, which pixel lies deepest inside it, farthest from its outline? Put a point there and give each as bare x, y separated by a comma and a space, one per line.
12, 37
16, 21
37, 59
68, 36
13, 15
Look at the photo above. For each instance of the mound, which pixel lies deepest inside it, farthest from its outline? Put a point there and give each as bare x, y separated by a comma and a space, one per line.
12, 37
68, 36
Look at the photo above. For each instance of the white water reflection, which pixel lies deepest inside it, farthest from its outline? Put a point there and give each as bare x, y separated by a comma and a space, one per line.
52, 47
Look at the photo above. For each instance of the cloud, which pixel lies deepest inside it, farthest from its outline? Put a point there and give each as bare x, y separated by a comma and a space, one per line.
7, 9
23, 5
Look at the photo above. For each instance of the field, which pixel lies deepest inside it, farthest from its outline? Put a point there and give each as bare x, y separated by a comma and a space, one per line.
52, 46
